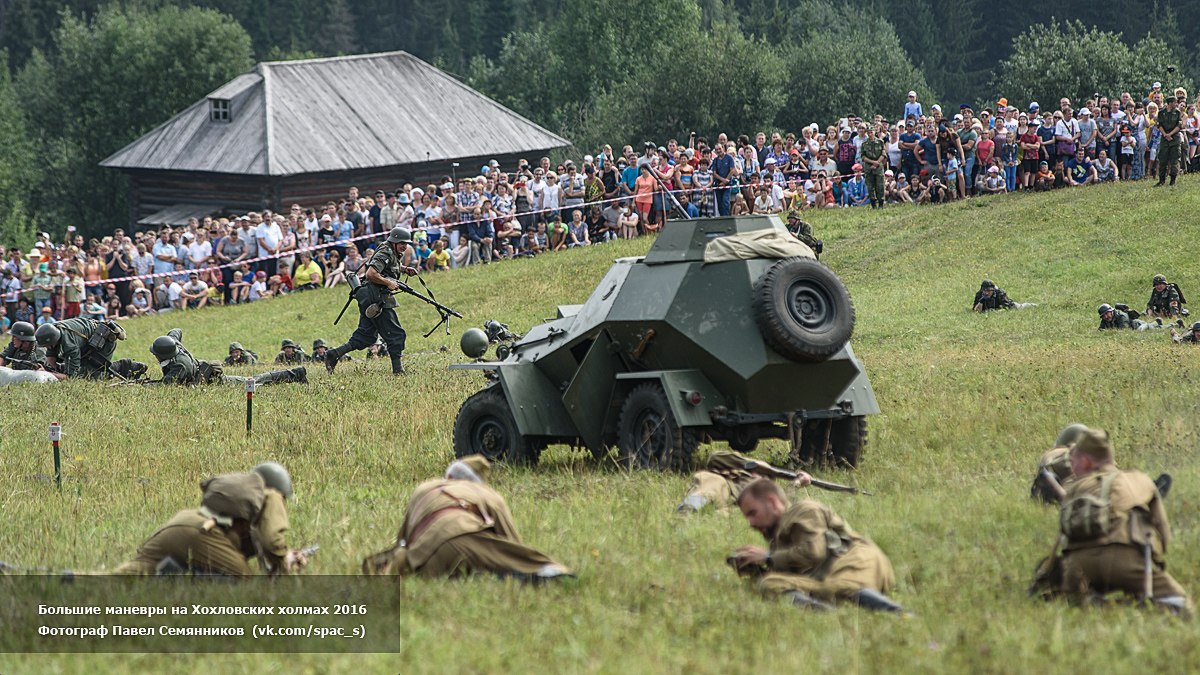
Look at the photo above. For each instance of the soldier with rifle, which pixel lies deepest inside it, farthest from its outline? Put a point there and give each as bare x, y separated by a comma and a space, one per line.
180, 367
1113, 532
1166, 300
240, 356
1191, 337
804, 232
376, 304
726, 473
457, 526
376, 299
23, 353
813, 557
82, 347
241, 516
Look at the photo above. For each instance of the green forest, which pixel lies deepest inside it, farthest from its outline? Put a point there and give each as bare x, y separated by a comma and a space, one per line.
82, 78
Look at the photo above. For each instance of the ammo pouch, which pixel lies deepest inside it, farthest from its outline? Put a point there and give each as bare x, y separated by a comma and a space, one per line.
209, 372
1087, 517
103, 333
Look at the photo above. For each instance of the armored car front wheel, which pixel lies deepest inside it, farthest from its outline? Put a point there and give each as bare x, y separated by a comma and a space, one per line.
649, 436
485, 426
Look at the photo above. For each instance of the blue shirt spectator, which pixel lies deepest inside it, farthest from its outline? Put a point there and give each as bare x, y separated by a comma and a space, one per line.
167, 250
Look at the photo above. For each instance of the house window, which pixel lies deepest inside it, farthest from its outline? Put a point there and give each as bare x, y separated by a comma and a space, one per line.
218, 109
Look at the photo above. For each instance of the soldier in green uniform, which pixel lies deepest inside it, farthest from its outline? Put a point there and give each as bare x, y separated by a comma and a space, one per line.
1192, 337
241, 516
376, 304
1165, 299
1111, 317
814, 558
83, 347
240, 356
180, 367
457, 526
1114, 531
989, 297
724, 476
23, 353
319, 348
874, 164
290, 353
1171, 146
804, 232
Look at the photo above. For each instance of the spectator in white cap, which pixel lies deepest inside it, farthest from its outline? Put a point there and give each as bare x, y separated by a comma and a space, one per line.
912, 108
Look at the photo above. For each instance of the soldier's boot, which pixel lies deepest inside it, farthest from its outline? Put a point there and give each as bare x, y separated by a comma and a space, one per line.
397, 365
692, 504
1173, 175
332, 356
870, 598
1175, 604
298, 375
806, 601
1163, 483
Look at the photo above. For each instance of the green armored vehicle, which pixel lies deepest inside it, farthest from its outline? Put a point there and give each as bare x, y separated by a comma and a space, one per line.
728, 329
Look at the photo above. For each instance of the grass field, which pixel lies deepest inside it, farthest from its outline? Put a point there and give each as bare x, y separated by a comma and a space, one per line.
969, 402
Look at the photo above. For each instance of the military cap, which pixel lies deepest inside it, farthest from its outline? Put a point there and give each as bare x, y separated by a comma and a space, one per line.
476, 463
793, 214
1094, 443
1103, 309
236, 347
288, 343
1159, 279
319, 343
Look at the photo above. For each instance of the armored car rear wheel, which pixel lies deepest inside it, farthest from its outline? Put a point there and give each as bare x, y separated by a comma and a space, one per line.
649, 436
847, 440
485, 426
803, 310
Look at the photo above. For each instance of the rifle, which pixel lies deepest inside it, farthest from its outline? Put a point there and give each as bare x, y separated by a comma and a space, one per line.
309, 551
776, 472
443, 311
1051, 481
354, 283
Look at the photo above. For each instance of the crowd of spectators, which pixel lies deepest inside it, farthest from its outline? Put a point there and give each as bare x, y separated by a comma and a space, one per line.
932, 157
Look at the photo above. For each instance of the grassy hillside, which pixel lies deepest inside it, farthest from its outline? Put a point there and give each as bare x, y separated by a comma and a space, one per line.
969, 404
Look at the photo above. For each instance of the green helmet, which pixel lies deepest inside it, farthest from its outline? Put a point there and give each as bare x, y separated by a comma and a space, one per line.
1159, 279
318, 343
236, 347
23, 330
793, 214
164, 347
474, 343
1104, 309
1196, 326
288, 343
1069, 435
47, 335
276, 477
399, 235
988, 284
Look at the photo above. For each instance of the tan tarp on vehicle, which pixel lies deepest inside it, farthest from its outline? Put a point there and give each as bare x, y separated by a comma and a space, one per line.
768, 243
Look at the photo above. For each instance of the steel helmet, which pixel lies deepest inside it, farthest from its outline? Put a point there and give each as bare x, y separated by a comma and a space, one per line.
23, 330
318, 343
1102, 309
275, 477
399, 235
164, 347
1069, 435
987, 284
47, 335
474, 343
288, 343
1159, 279
236, 347
1196, 326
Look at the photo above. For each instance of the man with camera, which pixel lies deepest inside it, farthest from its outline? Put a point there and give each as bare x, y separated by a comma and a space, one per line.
377, 304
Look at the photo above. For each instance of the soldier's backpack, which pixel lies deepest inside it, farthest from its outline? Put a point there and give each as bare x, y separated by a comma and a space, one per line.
234, 495
1182, 300
209, 372
1088, 517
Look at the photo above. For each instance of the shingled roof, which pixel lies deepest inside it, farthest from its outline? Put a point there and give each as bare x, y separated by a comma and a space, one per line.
335, 114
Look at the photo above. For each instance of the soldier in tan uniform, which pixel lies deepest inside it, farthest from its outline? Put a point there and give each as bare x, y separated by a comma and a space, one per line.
723, 477
814, 557
457, 526
1054, 469
1114, 531
241, 516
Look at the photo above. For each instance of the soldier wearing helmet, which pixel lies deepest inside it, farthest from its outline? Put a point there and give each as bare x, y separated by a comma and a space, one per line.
82, 347
240, 356
1111, 317
1165, 299
319, 349
23, 353
804, 232
1192, 336
180, 367
290, 353
376, 304
989, 297
241, 516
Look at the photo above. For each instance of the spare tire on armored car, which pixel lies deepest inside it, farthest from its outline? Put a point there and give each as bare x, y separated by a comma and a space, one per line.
803, 310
